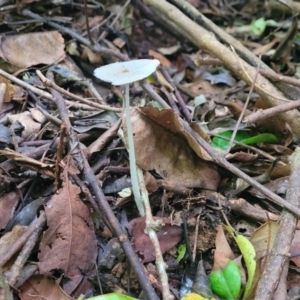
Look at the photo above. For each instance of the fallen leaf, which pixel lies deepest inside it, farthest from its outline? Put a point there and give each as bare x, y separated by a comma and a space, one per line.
69, 244
241, 156
41, 287
222, 245
163, 60
25, 50
25, 119
263, 238
162, 145
10, 90
168, 237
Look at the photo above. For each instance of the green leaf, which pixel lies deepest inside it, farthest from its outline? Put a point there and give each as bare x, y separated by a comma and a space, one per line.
112, 296
261, 138
181, 250
248, 253
218, 142
258, 26
226, 280
242, 137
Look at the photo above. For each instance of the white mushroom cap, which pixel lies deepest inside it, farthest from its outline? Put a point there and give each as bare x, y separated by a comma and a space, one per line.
126, 72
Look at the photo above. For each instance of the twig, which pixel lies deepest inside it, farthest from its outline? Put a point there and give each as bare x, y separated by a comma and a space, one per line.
48, 96
184, 109
280, 78
269, 112
23, 256
279, 255
151, 225
90, 177
20, 242
244, 208
50, 84
59, 156
2, 93
245, 105
87, 22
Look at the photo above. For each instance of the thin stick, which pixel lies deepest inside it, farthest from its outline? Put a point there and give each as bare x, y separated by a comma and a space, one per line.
150, 229
269, 112
245, 105
50, 84
87, 23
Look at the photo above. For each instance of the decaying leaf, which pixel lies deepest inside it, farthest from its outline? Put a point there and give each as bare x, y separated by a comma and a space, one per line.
222, 245
263, 238
161, 144
41, 287
26, 120
69, 244
168, 237
10, 90
25, 50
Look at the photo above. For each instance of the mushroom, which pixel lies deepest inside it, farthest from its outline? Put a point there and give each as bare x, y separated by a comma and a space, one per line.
125, 73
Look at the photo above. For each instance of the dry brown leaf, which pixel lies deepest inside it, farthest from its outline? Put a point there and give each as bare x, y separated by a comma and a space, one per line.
222, 245
69, 244
25, 50
263, 239
8, 203
168, 237
41, 287
241, 156
92, 57
161, 144
163, 60
25, 119
10, 90
25, 161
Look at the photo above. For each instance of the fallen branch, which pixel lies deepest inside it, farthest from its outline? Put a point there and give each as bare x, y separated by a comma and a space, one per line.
269, 112
279, 255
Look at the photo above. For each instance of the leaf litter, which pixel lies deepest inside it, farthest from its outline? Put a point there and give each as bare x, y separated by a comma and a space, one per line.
76, 248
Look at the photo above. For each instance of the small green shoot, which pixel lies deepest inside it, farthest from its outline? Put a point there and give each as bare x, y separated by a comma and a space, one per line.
225, 278
181, 250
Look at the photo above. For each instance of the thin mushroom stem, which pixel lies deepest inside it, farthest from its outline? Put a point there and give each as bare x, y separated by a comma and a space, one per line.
132, 160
